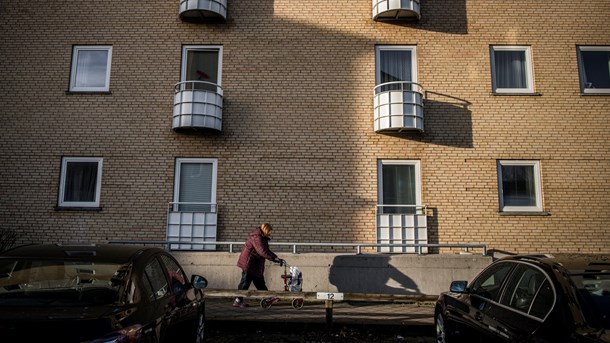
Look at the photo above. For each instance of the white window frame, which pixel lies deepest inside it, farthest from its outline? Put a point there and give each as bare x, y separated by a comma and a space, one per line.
416, 163
537, 180
76, 49
179, 162
528, 62
581, 70
98, 182
411, 48
187, 48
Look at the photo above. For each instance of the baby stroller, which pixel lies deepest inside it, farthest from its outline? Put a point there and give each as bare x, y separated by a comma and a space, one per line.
293, 282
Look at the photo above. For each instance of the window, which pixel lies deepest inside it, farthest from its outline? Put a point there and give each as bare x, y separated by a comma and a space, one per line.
81, 181
157, 283
489, 283
177, 277
529, 291
203, 65
594, 67
511, 69
519, 186
195, 187
91, 69
395, 63
399, 186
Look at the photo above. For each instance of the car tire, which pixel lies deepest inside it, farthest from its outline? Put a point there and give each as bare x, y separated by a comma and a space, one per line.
200, 335
443, 333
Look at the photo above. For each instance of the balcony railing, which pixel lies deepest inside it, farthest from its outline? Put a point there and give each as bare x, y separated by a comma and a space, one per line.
391, 10
193, 224
399, 106
402, 225
201, 10
197, 104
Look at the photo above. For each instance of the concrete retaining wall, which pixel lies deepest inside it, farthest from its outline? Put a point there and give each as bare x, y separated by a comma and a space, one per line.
365, 273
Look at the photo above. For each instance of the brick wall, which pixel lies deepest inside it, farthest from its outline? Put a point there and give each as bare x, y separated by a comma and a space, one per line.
297, 147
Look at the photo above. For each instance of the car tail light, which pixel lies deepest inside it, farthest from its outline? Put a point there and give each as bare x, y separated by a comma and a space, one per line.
130, 334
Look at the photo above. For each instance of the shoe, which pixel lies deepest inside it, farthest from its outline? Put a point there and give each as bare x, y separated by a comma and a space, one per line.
240, 304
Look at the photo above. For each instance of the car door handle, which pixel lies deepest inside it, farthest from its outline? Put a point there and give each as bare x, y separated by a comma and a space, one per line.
478, 316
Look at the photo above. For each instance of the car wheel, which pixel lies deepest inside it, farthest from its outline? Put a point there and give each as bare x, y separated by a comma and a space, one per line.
200, 338
442, 334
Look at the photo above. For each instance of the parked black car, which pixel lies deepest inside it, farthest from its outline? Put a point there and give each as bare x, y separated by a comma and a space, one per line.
529, 299
98, 293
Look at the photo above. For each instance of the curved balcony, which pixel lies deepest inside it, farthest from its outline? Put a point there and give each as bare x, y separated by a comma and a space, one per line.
201, 10
389, 10
197, 104
399, 106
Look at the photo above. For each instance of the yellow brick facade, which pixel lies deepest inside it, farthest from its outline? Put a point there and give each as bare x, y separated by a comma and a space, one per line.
297, 147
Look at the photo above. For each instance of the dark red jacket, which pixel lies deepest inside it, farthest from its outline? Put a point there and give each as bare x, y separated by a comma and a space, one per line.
255, 252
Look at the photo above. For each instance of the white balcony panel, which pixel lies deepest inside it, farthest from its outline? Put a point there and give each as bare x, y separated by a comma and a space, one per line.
402, 229
196, 229
398, 110
392, 10
197, 108
202, 10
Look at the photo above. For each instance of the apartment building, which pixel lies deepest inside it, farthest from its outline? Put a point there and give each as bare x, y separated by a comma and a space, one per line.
391, 121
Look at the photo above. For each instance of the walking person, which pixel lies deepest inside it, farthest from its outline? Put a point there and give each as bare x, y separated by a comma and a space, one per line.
252, 260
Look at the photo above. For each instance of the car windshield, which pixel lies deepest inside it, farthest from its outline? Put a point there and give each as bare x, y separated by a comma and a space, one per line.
594, 292
42, 282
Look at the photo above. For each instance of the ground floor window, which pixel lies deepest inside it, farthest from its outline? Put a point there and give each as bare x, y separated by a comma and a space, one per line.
519, 186
399, 186
195, 186
81, 182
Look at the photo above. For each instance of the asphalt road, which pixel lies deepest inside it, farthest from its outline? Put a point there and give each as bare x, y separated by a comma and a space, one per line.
352, 322
257, 332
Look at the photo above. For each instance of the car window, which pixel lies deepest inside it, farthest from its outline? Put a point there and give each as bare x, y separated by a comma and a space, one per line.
175, 271
488, 283
594, 295
156, 278
544, 301
177, 279
528, 291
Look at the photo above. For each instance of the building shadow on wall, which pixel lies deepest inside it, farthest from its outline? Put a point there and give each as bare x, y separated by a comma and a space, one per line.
447, 16
368, 273
447, 121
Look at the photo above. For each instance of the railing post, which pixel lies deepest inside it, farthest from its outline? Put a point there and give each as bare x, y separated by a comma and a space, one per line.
328, 305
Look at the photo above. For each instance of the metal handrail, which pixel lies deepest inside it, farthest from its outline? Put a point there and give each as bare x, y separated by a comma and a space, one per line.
173, 206
358, 246
183, 86
422, 209
419, 88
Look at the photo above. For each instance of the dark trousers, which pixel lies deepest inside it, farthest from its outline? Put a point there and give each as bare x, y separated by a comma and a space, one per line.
247, 279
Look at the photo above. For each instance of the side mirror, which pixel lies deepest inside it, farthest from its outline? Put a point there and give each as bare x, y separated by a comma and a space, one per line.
458, 286
199, 282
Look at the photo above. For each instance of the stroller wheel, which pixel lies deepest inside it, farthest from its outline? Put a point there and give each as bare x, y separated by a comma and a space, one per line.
266, 304
297, 303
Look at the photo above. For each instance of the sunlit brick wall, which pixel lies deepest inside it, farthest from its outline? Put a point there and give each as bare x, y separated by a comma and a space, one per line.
297, 147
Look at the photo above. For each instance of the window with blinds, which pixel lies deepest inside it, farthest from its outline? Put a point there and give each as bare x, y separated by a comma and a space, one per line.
195, 185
